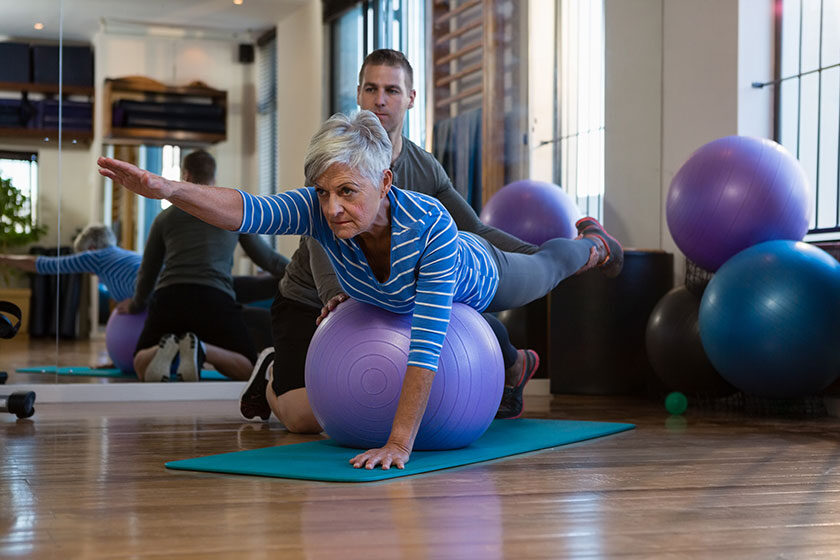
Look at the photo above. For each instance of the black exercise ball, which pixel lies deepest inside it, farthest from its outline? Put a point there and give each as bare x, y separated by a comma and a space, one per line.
672, 339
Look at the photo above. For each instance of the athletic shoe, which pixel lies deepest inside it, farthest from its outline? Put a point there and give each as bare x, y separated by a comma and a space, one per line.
161, 364
613, 260
191, 357
511, 405
252, 401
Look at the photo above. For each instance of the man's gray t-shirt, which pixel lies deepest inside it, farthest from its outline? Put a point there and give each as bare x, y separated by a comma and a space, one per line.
309, 277
181, 249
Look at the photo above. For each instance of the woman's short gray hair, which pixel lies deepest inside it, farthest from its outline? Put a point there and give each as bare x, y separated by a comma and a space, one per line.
93, 237
358, 141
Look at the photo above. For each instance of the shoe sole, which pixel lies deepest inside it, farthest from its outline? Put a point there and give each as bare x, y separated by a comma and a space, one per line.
160, 367
260, 359
188, 369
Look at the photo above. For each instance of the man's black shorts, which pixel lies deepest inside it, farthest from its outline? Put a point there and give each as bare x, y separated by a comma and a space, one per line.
206, 311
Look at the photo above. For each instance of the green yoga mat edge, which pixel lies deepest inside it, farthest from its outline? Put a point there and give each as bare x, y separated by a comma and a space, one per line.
206, 374
326, 461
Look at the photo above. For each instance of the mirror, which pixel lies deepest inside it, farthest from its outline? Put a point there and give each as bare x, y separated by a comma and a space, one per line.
199, 44
33, 162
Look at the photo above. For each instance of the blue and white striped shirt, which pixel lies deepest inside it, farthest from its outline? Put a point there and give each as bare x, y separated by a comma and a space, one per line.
116, 268
432, 263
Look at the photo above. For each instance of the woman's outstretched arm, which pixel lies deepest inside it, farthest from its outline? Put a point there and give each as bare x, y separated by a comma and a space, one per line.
21, 262
218, 206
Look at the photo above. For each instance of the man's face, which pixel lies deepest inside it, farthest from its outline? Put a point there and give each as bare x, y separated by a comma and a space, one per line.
383, 92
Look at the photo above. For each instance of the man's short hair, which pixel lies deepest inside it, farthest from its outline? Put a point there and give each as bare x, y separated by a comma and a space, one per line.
200, 167
389, 57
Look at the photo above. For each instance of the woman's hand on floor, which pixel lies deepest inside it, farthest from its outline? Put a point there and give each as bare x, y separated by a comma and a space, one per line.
390, 455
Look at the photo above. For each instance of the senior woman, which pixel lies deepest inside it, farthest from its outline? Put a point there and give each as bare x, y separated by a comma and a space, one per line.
391, 248
96, 252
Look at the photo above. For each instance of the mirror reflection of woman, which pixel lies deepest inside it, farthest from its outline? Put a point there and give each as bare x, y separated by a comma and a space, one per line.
95, 251
391, 248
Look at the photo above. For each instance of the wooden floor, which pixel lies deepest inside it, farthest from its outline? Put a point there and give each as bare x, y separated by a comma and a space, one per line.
88, 481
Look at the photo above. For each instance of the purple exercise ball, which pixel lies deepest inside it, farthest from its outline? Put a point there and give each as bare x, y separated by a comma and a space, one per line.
533, 211
733, 193
121, 335
356, 364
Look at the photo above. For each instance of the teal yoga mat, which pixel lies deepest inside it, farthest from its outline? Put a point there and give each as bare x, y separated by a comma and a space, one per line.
327, 461
206, 374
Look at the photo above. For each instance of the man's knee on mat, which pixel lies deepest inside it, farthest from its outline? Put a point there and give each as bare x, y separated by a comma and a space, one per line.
294, 412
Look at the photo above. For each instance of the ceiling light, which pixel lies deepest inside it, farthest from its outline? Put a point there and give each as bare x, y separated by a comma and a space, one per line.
39, 26
238, 2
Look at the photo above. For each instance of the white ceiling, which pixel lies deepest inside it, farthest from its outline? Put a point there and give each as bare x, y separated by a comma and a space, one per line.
82, 18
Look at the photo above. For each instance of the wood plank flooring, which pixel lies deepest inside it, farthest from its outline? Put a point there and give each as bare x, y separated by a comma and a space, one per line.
88, 481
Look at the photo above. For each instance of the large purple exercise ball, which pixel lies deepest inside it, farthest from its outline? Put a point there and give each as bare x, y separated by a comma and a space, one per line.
121, 334
533, 211
733, 193
356, 364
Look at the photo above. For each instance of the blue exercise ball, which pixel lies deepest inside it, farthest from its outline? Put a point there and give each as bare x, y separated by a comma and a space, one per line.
769, 319
533, 211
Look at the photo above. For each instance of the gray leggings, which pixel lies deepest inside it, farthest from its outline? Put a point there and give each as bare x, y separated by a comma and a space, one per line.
524, 278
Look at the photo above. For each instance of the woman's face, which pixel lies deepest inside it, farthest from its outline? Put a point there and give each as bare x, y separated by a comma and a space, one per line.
350, 202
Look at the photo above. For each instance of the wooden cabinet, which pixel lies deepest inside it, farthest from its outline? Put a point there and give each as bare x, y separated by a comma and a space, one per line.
140, 110
36, 107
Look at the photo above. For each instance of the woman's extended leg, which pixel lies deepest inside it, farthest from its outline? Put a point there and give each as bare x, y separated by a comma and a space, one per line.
524, 278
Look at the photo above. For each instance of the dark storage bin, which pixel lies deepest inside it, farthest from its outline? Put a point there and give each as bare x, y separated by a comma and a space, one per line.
15, 113
48, 313
16, 62
75, 115
78, 65
597, 331
194, 117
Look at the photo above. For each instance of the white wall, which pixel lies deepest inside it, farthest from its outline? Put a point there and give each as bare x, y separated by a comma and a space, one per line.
678, 76
633, 121
179, 61
301, 88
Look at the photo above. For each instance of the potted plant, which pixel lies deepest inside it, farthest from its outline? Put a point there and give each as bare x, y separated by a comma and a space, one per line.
17, 229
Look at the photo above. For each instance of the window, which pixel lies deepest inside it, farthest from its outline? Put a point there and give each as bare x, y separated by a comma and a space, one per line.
267, 112
22, 169
368, 25
567, 105
808, 101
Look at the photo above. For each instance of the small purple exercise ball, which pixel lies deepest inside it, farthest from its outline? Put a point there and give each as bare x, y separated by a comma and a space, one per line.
356, 364
121, 335
733, 193
533, 211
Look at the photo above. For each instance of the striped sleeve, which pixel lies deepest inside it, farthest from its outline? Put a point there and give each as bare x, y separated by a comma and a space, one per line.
436, 278
285, 213
68, 264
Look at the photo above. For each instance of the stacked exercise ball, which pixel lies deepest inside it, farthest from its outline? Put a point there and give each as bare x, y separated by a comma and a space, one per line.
355, 367
733, 193
533, 211
674, 348
770, 318
121, 335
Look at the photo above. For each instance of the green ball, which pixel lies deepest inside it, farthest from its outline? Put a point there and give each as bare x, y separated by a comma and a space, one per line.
676, 403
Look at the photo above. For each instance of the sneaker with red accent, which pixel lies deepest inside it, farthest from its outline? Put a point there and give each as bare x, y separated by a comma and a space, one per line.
511, 405
613, 259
